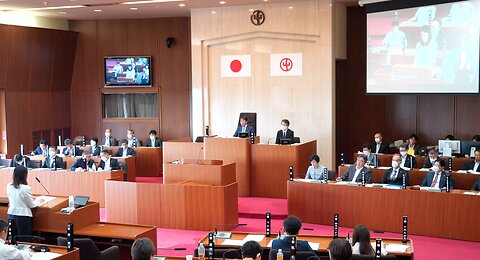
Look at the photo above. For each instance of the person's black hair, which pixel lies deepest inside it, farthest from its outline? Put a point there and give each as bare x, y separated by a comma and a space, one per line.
441, 162
131, 130
426, 29
152, 132
43, 142
366, 146
142, 249
340, 249
363, 156
244, 118
432, 151
315, 158
52, 147
361, 235
18, 157
106, 151
67, 141
405, 146
477, 150
19, 176
414, 136
3, 225
449, 137
285, 121
292, 225
94, 139
124, 141
251, 249
476, 138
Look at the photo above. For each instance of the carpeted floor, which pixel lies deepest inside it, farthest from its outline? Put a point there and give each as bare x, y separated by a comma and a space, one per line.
252, 212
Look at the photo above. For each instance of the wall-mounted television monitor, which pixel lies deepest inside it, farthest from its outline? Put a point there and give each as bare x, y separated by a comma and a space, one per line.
128, 71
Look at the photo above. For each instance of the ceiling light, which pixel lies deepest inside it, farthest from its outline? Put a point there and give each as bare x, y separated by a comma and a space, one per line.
290, 7
222, 2
97, 10
213, 12
251, 10
147, 2
133, 8
62, 12
181, 5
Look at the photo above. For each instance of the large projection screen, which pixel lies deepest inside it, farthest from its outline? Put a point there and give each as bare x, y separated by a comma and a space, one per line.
430, 49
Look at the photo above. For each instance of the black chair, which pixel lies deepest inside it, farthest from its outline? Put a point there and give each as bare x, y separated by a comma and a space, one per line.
372, 257
35, 164
332, 175
29, 239
296, 140
222, 253
6, 162
232, 254
89, 251
303, 255
252, 120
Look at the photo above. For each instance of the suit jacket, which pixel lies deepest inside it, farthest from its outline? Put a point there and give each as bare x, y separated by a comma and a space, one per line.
113, 164
476, 186
157, 143
113, 141
384, 148
137, 144
96, 151
427, 182
130, 152
410, 162
398, 180
348, 176
285, 244
39, 151
58, 162
280, 135
80, 163
371, 160
417, 149
78, 152
248, 129
27, 162
470, 165
427, 163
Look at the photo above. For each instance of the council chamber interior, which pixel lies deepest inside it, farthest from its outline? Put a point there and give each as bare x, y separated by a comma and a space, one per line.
206, 125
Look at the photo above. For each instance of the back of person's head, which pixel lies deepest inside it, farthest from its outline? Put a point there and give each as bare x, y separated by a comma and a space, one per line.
251, 249
19, 176
292, 225
340, 249
3, 225
476, 138
315, 157
18, 157
441, 162
361, 235
67, 141
142, 249
449, 137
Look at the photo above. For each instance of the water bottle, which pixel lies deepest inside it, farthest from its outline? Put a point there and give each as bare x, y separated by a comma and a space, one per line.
201, 252
71, 203
279, 254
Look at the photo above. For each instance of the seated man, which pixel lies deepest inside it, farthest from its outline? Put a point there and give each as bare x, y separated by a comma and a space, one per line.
243, 127
143, 249
437, 178
153, 140
251, 250
291, 227
42, 148
94, 148
432, 158
476, 186
339, 249
284, 132
84, 164
10, 251
354, 173
107, 163
70, 149
20, 160
378, 146
124, 150
408, 161
371, 160
109, 140
395, 174
132, 140
315, 170
473, 166
412, 144
52, 161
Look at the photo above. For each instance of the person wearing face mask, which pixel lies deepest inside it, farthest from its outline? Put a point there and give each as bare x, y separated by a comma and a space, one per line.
437, 178
109, 140
52, 161
132, 140
432, 157
315, 170
20, 160
124, 150
473, 166
153, 140
285, 132
412, 144
84, 164
378, 146
371, 159
354, 172
107, 163
408, 161
94, 148
70, 149
42, 148
395, 174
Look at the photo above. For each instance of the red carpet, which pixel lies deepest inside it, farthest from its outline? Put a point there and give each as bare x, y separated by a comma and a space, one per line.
149, 179
424, 247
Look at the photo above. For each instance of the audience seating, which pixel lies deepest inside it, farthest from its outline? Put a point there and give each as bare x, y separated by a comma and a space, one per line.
6, 162
89, 251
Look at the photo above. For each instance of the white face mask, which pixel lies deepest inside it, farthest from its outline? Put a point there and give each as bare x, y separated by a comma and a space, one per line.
435, 168
152, 137
394, 164
124, 147
284, 127
51, 153
93, 143
129, 136
377, 140
366, 153
107, 134
403, 153
104, 158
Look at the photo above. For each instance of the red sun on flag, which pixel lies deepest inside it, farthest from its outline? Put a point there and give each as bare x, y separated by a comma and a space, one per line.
236, 66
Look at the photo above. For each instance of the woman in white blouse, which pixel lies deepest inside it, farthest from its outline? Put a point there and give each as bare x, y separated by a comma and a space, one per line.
361, 242
21, 202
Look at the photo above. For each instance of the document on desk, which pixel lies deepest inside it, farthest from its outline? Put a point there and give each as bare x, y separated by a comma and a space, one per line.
342, 183
396, 248
471, 193
257, 238
45, 198
313, 245
232, 242
44, 255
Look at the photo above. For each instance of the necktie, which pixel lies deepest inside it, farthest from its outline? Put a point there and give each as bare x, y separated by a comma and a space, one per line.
243, 129
394, 175
434, 182
107, 141
284, 133
478, 167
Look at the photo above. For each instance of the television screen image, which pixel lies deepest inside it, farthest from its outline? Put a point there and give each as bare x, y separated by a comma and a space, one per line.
127, 71
424, 50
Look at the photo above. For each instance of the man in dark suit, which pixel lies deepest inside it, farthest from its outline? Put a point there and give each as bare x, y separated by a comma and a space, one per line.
476, 186
109, 140
437, 178
412, 144
132, 140
378, 146
52, 161
395, 174
408, 161
107, 163
42, 148
354, 172
243, 127
94, 147
284, 132
432, 157
20, 160
124, 150
473, 166
84, 164
70, 149
291, 227
153, 140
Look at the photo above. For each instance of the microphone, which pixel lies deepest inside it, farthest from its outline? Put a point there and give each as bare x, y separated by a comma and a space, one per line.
199, 154
350, 240
207, 132
269, 139
42, 185
172, 248
226, 235
306, 228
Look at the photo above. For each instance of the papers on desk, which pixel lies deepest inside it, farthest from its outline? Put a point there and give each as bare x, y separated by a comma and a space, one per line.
430, 189
313, 245
233, 242
396, 248
45, 198
471, 193
425, 170
342, 183
462, 171
44, 255
257, 238
309, 180
383, 168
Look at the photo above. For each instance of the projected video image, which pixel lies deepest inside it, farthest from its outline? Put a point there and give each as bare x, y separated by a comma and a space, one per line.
429, 49
130, 71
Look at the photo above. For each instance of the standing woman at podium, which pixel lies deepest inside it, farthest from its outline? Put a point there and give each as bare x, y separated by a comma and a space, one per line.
21, 202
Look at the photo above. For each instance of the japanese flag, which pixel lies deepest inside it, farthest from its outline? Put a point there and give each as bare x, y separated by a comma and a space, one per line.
286, 64
236, 66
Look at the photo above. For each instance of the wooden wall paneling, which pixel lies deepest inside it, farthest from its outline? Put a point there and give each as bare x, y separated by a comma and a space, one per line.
467, 113
3, 122
18, 68
119, 128
86, 112
5, 31
18, 127
41, 112
41, 60
142, 127
64, 60
435, 117
117, 196
112, 41
141, 40
175, 113
173, 151
400, 117
61, 105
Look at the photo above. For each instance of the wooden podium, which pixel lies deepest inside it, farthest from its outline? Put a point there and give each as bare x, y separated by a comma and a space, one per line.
199, 172
270, 167
149, 161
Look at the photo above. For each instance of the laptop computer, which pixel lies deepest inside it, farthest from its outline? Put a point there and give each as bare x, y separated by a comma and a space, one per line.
80, 201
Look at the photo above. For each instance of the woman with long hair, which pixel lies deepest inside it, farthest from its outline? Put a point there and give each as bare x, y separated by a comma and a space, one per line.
361, 242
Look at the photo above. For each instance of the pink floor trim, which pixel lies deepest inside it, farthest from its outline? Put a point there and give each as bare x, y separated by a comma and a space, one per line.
149, 179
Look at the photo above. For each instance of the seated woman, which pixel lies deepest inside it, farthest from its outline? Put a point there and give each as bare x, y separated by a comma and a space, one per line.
361, 242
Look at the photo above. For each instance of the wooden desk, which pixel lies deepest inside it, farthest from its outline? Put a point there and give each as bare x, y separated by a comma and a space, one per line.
129, 162
119, 231
446, 215
149, 161
270, 167
178, 206
216, 175
173, 150
463, 181
62, 250
322, 240
64, 183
